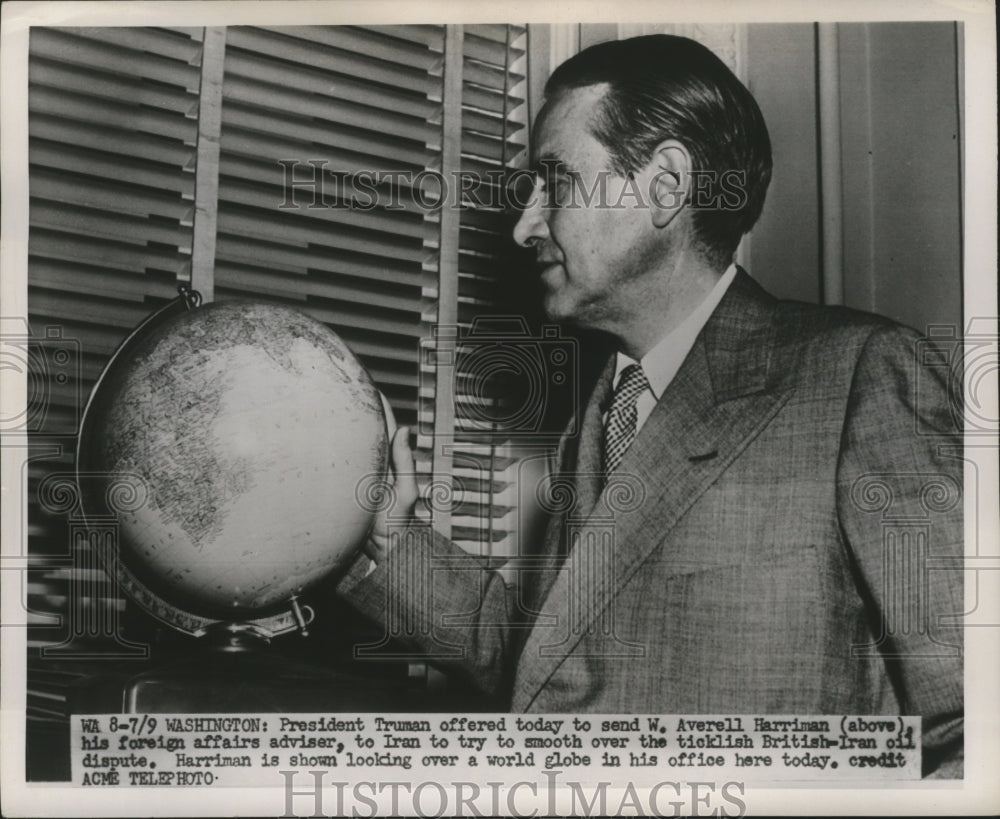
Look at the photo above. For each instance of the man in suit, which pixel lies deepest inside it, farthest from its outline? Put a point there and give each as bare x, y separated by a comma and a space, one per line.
766, 512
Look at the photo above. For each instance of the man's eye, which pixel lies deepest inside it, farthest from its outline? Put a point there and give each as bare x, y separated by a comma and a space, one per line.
523, 188
554, 190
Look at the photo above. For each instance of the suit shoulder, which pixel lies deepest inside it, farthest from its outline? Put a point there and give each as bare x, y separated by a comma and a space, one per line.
803, 321
827, 340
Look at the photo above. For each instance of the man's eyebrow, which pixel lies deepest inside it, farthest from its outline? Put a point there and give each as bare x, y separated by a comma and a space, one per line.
550, 162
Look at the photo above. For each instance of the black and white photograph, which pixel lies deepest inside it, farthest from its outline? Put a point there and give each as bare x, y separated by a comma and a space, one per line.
450, 410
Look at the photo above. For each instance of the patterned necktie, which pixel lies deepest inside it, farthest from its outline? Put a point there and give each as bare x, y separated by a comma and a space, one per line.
623, 416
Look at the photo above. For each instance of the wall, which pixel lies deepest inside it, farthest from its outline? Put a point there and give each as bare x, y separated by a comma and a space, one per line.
900, 167
901, 171
785, 245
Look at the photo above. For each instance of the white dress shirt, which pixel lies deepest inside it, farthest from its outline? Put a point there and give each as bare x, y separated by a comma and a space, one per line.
662, 362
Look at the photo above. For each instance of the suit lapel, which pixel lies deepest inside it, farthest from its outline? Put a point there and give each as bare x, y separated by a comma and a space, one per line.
717, 403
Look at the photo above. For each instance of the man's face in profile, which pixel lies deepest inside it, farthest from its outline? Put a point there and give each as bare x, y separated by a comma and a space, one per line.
590, 227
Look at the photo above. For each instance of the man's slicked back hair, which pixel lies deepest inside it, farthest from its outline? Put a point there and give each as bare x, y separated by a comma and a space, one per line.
664, 87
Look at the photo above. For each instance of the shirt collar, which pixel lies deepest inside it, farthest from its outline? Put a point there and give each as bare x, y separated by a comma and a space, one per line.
662, 362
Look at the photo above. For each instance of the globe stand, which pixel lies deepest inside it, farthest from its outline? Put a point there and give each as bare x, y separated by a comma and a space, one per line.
236, 637
232, 667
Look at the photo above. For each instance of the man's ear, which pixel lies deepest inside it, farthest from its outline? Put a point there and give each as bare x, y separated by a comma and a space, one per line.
669, 181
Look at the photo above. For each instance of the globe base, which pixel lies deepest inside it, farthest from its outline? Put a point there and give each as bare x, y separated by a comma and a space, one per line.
235, 637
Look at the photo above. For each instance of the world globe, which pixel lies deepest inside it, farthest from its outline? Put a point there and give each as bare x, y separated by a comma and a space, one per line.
244, 432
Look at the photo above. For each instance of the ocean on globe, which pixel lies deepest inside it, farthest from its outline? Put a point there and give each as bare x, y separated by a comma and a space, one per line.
248, 429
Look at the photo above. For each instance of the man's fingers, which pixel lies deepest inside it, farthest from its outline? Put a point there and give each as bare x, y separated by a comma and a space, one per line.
404, 468
402, 456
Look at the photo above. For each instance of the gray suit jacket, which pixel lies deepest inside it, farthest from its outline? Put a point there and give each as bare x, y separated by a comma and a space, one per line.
783, 536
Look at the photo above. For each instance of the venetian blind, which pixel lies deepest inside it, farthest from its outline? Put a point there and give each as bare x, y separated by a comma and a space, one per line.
324, 104
493, 139
114, 124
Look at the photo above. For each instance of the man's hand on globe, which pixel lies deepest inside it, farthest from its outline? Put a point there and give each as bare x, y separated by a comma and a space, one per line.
402, 477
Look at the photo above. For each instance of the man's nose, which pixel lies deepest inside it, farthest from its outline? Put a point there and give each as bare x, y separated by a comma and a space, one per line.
532, 226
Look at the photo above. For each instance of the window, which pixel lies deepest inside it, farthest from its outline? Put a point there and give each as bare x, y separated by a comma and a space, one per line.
120, 154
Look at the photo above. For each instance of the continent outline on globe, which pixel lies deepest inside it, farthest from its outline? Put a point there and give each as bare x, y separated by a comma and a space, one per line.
213, 406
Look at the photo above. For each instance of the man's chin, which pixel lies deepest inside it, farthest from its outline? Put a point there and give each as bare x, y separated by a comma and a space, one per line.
570, 316
556, 309
562, 307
